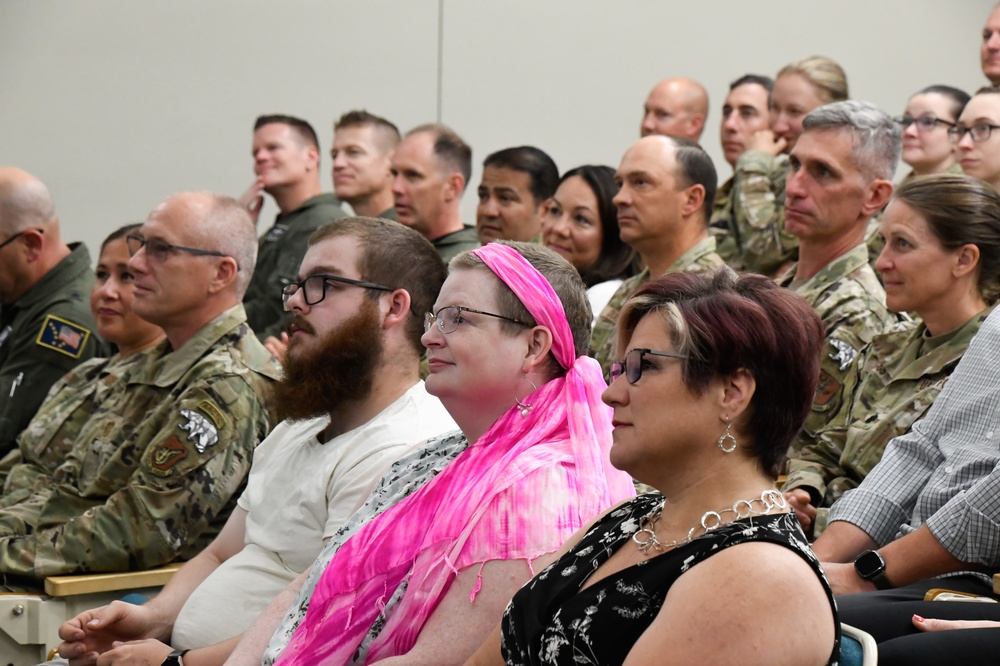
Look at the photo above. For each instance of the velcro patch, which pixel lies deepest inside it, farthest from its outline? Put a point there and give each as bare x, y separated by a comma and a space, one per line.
63, 336
201, 432
168, 454
213, 412
826, 389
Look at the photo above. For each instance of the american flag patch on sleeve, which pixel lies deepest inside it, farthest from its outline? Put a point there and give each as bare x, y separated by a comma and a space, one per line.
63, 336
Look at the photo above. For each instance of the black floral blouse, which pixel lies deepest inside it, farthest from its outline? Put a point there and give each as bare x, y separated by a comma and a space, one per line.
551, 621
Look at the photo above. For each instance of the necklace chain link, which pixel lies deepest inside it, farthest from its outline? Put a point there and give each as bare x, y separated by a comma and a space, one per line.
645, 537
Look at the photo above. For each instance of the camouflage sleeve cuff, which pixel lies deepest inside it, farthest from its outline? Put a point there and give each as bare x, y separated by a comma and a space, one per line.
809, 480
756, 161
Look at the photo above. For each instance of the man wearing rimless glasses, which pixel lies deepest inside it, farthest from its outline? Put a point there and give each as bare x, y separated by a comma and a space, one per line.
153, 473
46, 327
353, 403
976, 137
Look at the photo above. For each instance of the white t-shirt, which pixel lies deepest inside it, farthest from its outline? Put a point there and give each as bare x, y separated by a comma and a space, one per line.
299, 492
600, 294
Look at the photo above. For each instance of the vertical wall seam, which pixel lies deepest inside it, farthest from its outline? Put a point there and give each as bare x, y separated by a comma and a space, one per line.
440, 58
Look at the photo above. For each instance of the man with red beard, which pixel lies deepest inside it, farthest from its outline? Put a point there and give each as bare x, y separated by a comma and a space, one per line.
353, 403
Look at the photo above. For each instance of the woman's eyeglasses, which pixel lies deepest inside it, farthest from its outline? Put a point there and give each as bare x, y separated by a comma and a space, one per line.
448, 318
632, 366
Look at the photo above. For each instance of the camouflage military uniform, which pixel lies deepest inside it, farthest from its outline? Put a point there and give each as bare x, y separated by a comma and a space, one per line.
701, 257
155, 470
758, 213
279, 255
46, 333
728, 242
890, 386
47, 440
851, 302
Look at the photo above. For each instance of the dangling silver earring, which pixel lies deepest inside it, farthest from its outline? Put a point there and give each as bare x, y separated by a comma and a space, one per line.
525, 407
727, 437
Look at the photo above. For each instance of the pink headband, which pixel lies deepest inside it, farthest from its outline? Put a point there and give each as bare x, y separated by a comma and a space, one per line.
538, 296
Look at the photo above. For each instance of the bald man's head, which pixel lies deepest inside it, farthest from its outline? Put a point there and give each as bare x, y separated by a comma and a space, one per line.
25, 202
676, 107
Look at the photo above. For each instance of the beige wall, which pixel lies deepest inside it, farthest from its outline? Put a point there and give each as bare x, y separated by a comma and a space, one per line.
118, 103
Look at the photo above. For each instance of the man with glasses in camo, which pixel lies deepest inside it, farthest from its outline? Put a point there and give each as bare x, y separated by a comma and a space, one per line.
354, 403
976, 137
158, 455
46, 328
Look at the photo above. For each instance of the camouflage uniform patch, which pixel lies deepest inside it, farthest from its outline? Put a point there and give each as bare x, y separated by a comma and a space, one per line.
168, 454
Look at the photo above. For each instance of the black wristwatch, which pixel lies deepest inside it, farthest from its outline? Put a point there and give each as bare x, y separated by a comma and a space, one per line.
871, 567
174, 658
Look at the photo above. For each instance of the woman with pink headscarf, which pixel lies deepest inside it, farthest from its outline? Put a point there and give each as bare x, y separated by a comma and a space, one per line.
427, 564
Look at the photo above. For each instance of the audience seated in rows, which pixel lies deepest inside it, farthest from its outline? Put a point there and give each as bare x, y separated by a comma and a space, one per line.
50, 436
353, 404
715, 382
158, 459
941, 263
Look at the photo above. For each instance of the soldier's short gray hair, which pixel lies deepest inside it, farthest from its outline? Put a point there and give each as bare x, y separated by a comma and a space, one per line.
876, 136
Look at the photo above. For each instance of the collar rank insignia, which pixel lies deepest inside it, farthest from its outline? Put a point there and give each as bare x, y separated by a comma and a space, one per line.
201, 431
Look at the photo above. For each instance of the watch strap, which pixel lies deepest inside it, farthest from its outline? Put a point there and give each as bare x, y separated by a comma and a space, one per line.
175, 658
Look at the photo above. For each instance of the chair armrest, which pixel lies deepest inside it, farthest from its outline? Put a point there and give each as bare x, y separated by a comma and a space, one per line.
65, 586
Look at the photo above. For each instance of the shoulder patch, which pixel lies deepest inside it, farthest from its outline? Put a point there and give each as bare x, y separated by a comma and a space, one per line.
212, 412
844, 353
63, 336
166, 455
826, 388
275, 232
201, 432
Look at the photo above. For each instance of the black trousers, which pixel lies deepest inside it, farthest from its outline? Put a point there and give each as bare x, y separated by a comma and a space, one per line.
887, 616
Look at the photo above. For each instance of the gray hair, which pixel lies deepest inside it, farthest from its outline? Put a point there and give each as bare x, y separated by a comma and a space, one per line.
876, 137
220, 224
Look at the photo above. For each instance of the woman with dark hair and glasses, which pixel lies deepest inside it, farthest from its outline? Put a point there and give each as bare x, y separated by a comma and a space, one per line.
926, 120
581, 225
716, 377
976, 141
425, 567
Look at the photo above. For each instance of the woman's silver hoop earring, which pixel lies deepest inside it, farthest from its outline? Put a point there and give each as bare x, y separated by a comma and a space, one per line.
727, 438
525, 407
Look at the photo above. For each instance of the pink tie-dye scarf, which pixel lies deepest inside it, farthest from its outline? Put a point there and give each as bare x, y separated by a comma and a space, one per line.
474, 510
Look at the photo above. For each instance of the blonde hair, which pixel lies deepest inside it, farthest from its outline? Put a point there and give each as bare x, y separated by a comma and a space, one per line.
828, 77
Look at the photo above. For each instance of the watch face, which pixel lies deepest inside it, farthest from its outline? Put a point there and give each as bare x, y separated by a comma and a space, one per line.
869, 565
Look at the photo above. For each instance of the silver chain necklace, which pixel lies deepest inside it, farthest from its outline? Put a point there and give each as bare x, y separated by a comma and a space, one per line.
646, 539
